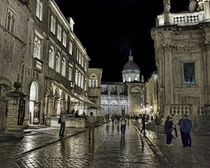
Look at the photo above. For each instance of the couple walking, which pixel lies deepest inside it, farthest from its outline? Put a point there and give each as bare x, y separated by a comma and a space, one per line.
185, 128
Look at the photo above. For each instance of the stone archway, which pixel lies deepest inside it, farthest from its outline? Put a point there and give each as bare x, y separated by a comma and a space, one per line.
34, 104
4, 89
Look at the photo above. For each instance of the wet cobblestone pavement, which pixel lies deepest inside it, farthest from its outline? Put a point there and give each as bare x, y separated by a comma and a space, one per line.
109, 150
198, 156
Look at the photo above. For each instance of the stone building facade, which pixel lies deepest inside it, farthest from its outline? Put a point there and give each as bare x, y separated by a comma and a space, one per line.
151, 95
38, 47
125, 96
94, 89
182, 54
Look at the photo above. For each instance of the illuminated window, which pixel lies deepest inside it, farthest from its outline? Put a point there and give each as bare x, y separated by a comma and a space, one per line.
57, 63
189, 73
63, 71
79, 80
51, 57
93, 81
70, 73
39, 9
64, 39
59, 32
70, 47
53, 23
37, 48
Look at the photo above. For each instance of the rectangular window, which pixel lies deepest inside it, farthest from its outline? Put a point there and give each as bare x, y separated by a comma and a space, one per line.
52, 26
39, 9
77, 55
70, 47
59, 32
80, 58
64, 39
189, 73
70, 73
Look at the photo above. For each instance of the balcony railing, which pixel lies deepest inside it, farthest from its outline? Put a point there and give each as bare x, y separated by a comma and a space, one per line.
181, 19
180, 109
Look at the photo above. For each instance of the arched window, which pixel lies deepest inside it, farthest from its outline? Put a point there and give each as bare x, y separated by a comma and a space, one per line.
93, 81
57, 63
37, 48
63, 71
51, 57
34, 91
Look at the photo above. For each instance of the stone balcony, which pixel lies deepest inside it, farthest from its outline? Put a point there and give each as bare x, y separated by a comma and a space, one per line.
37, 64
181, 19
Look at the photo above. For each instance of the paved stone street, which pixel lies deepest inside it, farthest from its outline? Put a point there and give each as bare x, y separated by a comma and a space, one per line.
108, 150
43, 148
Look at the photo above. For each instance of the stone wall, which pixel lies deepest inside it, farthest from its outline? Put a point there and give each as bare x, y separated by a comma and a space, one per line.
70, 122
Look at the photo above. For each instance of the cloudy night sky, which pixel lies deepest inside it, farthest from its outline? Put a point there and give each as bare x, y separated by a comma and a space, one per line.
108, 29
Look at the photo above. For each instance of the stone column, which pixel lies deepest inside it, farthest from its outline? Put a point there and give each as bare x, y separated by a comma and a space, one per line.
16, 113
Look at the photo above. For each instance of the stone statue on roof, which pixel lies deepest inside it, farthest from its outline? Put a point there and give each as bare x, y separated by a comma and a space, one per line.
167, 6
196, 5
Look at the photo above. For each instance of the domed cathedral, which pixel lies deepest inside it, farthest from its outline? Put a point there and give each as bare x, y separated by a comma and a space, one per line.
128, 95
131, 72
131, 77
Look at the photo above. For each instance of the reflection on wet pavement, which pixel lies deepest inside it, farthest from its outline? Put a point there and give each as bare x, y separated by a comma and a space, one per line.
109, 150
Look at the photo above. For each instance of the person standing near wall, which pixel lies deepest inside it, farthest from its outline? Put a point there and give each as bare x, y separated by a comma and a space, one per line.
187, 125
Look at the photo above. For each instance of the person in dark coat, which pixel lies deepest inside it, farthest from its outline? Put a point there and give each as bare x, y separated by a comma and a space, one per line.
63, 123
168, 126
180, 123
187, 125
143, 120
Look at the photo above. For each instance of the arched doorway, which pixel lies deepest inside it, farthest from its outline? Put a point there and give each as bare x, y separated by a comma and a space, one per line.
34, 104
4, 89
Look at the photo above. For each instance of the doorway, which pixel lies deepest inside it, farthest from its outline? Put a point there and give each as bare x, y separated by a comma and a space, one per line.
34, 104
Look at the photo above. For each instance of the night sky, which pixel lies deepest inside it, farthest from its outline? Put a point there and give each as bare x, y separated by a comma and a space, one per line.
108, 29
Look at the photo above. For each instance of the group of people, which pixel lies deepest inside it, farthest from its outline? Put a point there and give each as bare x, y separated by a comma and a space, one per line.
185, 126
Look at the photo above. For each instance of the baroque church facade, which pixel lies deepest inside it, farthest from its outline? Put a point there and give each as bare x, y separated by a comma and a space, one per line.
127, 96
182, 49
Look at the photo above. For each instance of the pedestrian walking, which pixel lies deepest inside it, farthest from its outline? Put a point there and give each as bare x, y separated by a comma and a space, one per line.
168, 126
123, 124
143, 120
91, 125
180, 123
187, 125
62, 123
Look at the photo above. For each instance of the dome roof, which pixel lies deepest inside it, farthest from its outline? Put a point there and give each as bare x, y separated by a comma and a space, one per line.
130, 65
